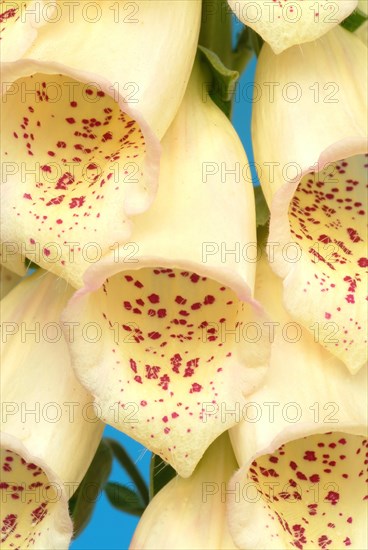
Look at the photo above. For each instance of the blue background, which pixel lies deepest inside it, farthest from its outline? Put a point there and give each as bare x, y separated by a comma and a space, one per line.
110, 529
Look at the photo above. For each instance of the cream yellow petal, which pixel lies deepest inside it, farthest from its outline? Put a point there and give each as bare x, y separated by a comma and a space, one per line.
285, 23
301, 445
191, 513
310, 140
174, 306
49, 428
34, 510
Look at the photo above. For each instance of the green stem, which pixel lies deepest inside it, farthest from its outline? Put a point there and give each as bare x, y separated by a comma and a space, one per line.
216, 29
243, 52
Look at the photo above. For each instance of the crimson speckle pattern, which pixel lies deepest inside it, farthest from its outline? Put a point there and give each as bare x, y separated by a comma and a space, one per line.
328, 219
317, 487
27, 497
166, 353
77, 154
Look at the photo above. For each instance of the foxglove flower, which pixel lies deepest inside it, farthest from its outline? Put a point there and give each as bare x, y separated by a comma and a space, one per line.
285, 23
80, 142
310, 143
175, 307
191, 513
302, 446
49, 430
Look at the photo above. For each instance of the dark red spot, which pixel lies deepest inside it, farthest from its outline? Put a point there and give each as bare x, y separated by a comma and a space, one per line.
324, 239
154, 335
353, 234
310, 455
333, 497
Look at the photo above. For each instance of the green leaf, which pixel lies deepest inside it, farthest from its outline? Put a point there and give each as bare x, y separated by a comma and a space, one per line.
262, 210
223, 85
125, 499
160, 474
354, 21
131, 469
225, 79
82, 503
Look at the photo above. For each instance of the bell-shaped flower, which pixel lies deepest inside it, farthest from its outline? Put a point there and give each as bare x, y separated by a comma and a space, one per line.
302, 446
284, 23
83, 113
178, 323
310, 142
49, 430
191, 513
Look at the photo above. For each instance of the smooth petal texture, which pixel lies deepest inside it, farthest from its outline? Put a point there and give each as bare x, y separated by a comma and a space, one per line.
313, 170
301, 446
80, 147
166, 359
34, 502
49, 431
191, 513
8, 280
285, 23
19, 20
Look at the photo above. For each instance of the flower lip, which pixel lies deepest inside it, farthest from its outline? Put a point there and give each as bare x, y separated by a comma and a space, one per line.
322, 213
304, 484
74, 206
26, 67
165, 344
109, 266
279, 221
54, 536
289, 23
305, 429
